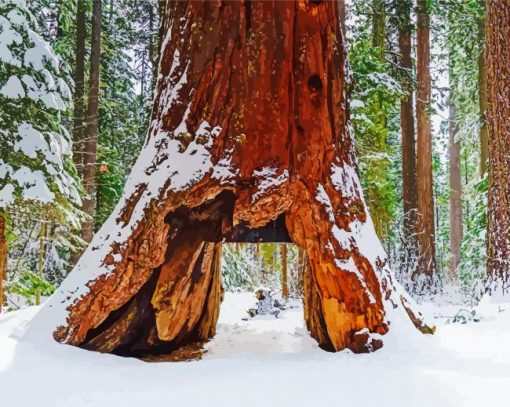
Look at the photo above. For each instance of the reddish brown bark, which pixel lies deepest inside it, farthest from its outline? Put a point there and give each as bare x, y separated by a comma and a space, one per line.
409, 191
498, 120
90, 150
341, 14
426, 228
262, 86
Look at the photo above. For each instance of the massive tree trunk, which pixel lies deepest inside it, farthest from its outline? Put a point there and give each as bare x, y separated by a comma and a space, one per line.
249, 142
482, 85
409, 191
89, 155
3, 258
498, 120
455, 194
426, 233
79, 126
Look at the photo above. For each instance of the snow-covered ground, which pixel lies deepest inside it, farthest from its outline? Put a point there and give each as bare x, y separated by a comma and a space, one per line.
267, 362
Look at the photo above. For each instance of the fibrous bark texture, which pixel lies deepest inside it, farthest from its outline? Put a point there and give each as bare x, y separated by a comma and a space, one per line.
409, 191
498, 119
249, 141
426, 228
90, 149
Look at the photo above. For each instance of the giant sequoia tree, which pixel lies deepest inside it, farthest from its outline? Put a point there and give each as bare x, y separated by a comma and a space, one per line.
497, 56
249, 141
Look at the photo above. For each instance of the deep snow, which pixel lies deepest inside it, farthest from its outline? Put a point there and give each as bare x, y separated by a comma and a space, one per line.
270, 362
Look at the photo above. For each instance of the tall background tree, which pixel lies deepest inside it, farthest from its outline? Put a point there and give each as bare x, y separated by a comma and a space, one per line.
403, 9
498, 120
426, 270
37, 176
90, 145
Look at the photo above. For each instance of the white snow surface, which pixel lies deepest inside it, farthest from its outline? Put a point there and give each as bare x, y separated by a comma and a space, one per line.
269, 361
13, 88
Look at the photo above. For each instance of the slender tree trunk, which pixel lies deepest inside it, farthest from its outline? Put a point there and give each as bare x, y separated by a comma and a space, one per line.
284, 277
409, 191
341, 15
482, 84
379, 27
79, 126
455, 194
378, 43
93, 123
498, 121
301, 270
426, 228
3, 258
40, 260
153, 47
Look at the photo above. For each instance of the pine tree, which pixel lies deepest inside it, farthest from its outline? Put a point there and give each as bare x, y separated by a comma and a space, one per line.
36, 170
37, 175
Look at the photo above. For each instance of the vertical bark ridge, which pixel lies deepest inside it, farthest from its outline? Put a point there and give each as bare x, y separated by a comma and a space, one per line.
498, 120
426, 230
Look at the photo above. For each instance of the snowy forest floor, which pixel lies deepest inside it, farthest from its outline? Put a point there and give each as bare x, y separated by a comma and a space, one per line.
271, 362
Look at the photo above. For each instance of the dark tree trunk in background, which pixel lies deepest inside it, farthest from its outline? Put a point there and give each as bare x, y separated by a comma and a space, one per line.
248, 142
378, 42
455, 194
409, 191
379, 26
283, 255
89, 159
482, 85
426, 227
79, 122
498, 121
341, 15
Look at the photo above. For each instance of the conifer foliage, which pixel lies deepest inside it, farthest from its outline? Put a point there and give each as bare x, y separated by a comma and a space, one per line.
35, 164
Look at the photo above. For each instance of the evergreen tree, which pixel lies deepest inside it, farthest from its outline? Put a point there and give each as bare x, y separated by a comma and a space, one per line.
36, 171
37, 175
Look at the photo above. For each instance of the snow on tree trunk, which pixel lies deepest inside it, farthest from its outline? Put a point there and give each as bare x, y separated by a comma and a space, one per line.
249, 141
498, 120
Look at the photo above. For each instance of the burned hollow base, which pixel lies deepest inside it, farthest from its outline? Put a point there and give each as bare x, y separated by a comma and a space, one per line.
132, 329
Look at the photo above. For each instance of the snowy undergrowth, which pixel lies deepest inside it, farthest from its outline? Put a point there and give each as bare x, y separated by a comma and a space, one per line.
268, 360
